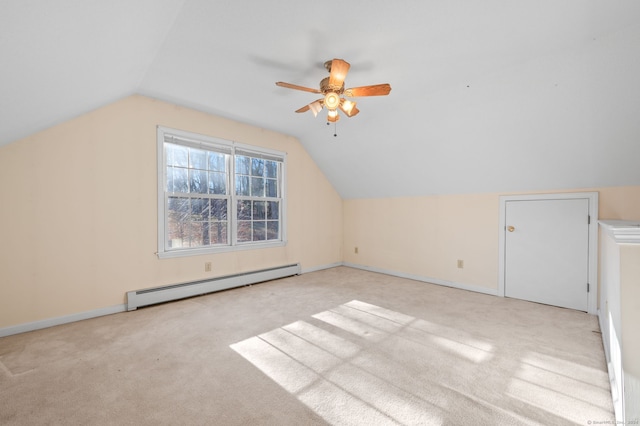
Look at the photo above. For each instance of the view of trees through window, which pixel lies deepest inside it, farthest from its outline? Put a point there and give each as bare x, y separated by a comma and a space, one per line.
220, 197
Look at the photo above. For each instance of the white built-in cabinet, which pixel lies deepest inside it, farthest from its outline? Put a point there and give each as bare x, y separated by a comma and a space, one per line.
619, 312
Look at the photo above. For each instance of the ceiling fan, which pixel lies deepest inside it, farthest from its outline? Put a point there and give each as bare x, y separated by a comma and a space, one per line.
332, 88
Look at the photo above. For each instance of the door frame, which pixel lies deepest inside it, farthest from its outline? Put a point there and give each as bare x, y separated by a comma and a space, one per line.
592, 296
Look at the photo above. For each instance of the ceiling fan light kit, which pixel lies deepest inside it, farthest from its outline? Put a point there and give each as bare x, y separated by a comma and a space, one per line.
332, 88
332, 101
348, 107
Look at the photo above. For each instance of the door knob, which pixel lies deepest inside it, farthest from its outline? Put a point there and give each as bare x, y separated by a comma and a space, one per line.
510, 228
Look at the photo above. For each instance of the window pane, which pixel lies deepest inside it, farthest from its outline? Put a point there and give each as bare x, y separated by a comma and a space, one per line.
271, 169
244, 230
219, 209
217, 183
259, 231
198, 233
272, 188
272, 230
242, 165
244, 210
177, 222
218, 232
198, 181
179, 208
257, 187
200, 209
273, 210
242, 185
177, 180
217, 162
197, 159
177, 155
257, 167
259, 210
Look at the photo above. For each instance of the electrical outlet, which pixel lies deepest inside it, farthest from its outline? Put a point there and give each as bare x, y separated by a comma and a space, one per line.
207, 266
460, 263
355, 250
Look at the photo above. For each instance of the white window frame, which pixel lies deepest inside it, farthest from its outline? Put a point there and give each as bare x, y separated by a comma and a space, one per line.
208, 142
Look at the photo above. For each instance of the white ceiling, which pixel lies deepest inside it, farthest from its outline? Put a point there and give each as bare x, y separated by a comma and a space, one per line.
498, 95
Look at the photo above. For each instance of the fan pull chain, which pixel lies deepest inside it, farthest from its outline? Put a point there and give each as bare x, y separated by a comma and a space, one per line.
335, 128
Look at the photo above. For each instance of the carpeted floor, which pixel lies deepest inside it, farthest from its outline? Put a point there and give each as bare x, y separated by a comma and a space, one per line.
339, 346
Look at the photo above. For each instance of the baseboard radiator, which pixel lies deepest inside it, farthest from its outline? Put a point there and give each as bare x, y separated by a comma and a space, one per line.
152, 296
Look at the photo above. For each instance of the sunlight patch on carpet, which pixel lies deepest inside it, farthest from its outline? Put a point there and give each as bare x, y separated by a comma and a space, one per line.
317, 367
359, 363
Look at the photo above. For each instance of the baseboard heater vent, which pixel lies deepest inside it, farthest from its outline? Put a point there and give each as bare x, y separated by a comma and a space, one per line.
151, 296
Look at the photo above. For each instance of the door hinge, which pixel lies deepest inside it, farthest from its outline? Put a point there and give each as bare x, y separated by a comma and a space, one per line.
588, 287
589, 220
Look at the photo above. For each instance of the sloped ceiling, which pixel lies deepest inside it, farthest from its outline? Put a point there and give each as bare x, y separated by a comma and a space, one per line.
488, 96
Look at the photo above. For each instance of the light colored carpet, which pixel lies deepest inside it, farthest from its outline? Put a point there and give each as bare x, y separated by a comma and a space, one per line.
340, 346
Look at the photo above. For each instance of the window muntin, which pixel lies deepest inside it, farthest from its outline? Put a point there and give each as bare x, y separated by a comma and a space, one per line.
217, 195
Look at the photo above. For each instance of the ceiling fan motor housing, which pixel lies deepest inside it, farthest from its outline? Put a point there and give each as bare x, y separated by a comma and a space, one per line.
325, 87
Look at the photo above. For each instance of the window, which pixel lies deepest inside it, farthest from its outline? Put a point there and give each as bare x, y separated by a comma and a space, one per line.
216, 195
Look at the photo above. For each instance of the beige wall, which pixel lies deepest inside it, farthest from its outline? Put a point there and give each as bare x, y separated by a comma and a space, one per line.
80, 228
425, 236
79, 216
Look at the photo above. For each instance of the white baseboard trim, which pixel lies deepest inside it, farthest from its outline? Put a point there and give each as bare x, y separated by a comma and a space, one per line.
322, 267
51, 322
460, 286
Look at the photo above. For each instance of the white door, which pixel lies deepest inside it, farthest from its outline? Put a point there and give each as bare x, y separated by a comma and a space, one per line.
547, 251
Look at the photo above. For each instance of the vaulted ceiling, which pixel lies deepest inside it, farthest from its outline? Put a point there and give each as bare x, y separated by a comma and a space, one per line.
489, 96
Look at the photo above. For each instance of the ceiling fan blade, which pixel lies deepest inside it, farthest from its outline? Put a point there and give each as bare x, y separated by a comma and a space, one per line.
296, 87
315, 107
374, 90
339, 70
